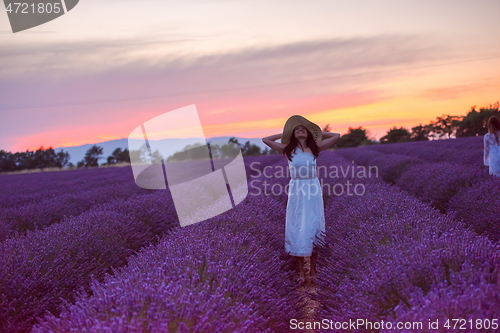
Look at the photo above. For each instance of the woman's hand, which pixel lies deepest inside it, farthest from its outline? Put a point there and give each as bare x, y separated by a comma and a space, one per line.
331, 138
270, 141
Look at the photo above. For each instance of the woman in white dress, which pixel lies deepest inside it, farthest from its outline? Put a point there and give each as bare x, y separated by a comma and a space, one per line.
301, 142
492, 146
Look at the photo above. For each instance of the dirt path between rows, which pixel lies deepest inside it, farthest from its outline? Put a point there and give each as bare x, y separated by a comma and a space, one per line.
309, 305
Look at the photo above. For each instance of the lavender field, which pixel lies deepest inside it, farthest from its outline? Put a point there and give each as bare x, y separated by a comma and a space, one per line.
88, 251
449, 175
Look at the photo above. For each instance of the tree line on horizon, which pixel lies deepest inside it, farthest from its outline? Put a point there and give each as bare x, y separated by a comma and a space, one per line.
444, 127
47, 158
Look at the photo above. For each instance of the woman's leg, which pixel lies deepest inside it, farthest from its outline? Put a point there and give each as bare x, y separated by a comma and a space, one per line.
300, 264
314, 256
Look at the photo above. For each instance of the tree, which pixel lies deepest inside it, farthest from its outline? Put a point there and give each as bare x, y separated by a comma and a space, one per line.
247, 149
142, 155
39, 159
475, 123
420, 132
445, 126
234, 140
48, 158
395, 135
195, 151
268, 151
62, 159
273, 151
135, 156
92, 157
7, 162
119, 156
354, 138
250, 149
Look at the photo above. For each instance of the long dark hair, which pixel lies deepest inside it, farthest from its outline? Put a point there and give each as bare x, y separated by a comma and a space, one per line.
294, 143
494, 127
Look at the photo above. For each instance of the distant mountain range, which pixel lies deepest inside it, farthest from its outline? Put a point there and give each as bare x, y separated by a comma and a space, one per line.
166, 146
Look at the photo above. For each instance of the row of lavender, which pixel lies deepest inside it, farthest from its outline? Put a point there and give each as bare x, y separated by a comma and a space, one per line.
35, 201
435, 173
388, 256
47, 265
226, 274
467, 150
20, 189
51, 208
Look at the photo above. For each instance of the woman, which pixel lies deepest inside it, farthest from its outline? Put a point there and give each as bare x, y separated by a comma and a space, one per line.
305, 219
491, 146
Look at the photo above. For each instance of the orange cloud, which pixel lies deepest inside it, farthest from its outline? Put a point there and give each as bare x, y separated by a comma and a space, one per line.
452, 92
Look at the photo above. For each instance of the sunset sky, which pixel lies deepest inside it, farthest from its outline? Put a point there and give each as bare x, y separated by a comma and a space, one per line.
105, 67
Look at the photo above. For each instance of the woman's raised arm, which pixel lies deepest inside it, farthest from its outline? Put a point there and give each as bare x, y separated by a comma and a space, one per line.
331, 138
270, 141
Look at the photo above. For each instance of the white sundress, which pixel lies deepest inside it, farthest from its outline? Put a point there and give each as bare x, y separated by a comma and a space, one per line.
305, 214
492, 154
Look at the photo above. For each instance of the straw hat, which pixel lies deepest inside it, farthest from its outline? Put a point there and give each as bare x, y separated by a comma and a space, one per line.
296, 120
